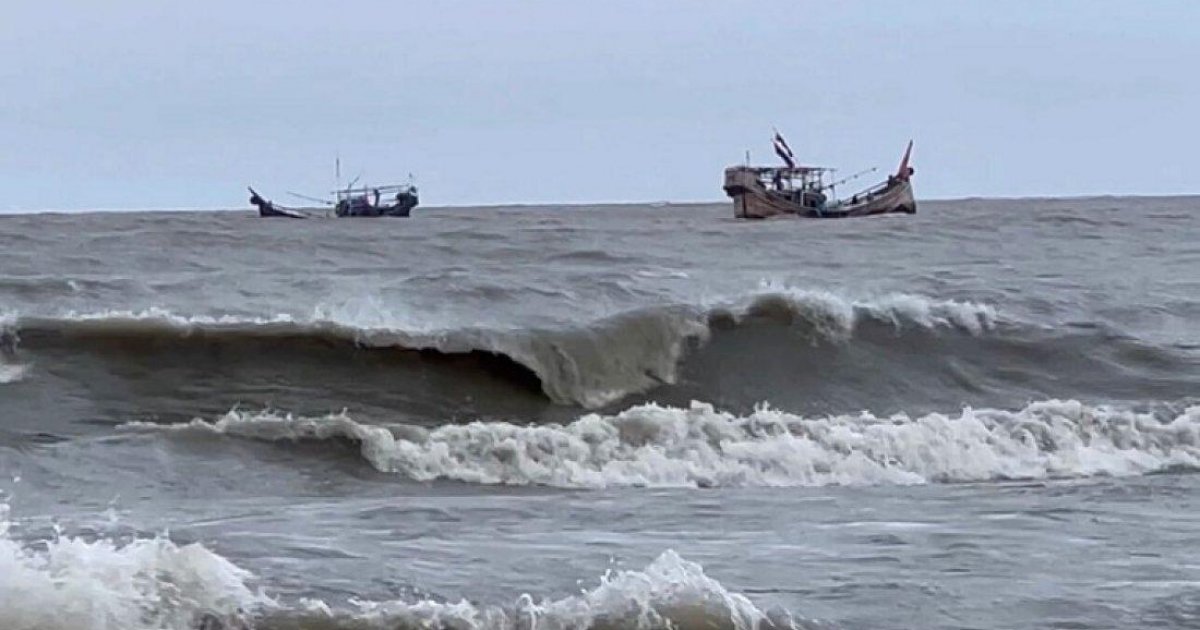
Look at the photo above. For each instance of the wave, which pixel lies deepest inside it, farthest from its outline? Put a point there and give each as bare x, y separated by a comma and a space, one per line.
69, 582
592, 365
698, 446
10, 370
669, 593
12, 373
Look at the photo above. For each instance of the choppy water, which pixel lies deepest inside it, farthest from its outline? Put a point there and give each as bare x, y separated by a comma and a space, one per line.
984, 416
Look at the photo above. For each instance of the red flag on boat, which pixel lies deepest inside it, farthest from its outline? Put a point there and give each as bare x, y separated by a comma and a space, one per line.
784, 151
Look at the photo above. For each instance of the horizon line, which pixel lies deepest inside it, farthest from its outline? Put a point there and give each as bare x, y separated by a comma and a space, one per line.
580, 204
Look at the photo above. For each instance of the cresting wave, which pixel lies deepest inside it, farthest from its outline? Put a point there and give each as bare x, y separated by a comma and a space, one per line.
670, 593
650, 445
72, 583
69, 583
591, 365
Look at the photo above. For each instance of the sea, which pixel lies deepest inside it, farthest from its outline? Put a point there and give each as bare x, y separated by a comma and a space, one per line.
986, 415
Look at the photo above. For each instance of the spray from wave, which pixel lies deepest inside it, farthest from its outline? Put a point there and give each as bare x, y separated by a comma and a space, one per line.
591, 365
70, 583
10, 370
669, 593
12, 373
651, 445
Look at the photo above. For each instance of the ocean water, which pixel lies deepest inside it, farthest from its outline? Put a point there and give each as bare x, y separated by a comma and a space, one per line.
986, 415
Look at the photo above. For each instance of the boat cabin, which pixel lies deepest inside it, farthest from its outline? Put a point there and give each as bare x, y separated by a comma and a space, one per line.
365, 201
804, 185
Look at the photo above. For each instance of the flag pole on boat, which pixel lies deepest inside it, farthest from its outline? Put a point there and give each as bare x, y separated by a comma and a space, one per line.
337, 179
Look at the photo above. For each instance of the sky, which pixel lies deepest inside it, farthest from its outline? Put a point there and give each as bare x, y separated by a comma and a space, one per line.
152, 104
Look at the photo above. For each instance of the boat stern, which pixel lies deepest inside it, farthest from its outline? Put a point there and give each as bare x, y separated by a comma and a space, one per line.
740, 180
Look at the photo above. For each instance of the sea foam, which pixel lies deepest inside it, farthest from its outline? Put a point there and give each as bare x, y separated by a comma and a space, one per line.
699, 446
72, 583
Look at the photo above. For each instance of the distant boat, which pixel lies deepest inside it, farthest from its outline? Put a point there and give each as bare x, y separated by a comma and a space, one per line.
267, 208
760, 192
348, 202
364, 202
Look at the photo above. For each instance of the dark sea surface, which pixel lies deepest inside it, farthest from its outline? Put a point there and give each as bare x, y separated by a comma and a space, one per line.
986, 415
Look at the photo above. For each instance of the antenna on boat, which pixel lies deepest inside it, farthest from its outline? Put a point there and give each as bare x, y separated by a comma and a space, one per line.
337, 179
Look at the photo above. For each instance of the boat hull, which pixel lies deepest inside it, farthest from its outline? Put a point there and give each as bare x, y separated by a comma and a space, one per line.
267, 209
752, 200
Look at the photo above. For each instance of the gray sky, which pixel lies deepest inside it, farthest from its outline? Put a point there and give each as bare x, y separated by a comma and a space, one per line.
145, 104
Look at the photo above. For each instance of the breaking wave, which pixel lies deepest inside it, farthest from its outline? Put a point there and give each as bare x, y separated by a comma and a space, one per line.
72, 582
10, 370
11, 373
651, 445
591, 365
669, 593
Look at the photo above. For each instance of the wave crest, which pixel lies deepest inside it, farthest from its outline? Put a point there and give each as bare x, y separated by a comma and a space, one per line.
69, 582
669, 593
592, 365
698, 446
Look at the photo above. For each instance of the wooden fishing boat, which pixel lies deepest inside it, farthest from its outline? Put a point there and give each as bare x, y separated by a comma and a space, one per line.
760, 192
348, 202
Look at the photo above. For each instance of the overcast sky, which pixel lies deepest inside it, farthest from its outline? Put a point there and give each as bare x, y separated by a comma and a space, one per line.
150, 104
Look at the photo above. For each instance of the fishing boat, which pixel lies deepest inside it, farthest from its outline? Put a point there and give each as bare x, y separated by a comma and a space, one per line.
363, 201
760, 192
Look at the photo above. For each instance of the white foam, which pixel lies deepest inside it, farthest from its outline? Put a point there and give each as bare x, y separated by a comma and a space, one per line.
669, 593
12, 373
650, 445
69, 583
842, 313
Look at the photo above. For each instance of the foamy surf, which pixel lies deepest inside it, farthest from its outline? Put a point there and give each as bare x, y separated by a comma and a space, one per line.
591, 365
12, 373
669, 593
699, 446
73, 583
